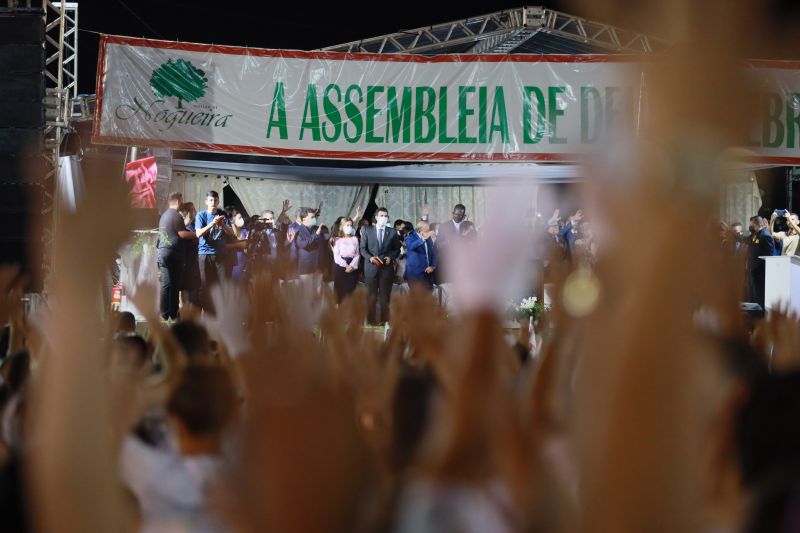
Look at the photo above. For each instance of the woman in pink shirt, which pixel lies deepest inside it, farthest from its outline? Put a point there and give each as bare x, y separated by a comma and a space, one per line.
345, 257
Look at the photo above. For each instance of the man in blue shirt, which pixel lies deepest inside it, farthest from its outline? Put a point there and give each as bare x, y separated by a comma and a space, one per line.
213, 230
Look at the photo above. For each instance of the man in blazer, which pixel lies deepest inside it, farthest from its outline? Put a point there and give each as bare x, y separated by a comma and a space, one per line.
380, 248
761, 244
421, 260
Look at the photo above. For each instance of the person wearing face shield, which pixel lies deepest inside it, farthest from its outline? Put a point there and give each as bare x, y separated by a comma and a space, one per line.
380, 248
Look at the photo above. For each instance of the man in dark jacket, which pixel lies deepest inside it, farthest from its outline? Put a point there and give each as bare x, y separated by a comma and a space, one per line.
380, 248
761, 244
307, 242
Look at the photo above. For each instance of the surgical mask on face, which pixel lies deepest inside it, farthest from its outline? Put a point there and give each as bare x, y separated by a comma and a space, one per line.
239, 222
382, 221
348, 230
314, 221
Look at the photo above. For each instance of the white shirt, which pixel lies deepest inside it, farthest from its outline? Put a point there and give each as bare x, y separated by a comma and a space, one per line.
172, 489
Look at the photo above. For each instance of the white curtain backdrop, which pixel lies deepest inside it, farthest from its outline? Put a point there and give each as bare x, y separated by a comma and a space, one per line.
741, 198
194, 187
71, 187
403, 201
259, 194
407, 201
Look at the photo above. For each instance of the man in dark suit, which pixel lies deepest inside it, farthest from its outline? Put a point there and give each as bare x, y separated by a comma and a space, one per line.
421, 260
451, 230
308, 242
761, 244
380, 248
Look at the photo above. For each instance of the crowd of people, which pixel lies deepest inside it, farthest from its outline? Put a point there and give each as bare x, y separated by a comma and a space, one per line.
273, 409
196, 250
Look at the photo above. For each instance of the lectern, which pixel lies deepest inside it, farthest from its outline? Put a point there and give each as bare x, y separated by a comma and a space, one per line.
782, 283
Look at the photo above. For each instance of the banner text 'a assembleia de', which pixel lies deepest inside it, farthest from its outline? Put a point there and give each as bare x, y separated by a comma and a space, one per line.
383, 107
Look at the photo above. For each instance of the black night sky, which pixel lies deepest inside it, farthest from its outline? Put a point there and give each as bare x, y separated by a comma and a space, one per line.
286, 25
307, 25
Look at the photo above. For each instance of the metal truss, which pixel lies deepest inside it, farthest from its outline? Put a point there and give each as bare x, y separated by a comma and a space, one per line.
601, 35
61, 62
504, 31
431, 39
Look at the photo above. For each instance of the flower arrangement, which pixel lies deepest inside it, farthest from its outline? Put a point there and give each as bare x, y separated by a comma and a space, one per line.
528, 308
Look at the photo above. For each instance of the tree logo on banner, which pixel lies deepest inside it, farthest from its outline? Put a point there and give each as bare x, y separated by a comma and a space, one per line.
180, 79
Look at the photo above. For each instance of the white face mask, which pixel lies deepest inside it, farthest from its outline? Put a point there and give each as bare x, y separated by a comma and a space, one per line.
348, 230
382, 221
239, 222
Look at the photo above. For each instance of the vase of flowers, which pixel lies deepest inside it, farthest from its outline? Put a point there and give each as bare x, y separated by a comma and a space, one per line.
529, 310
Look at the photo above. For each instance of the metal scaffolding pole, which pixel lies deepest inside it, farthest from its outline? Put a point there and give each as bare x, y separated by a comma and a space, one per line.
60, 47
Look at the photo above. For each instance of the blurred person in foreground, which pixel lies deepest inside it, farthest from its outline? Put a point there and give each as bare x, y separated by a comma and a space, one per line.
173, 487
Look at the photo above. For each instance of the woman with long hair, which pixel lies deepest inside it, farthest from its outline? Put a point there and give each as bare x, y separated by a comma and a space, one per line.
345, 258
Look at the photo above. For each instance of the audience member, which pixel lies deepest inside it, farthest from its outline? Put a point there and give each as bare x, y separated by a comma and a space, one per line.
126, 324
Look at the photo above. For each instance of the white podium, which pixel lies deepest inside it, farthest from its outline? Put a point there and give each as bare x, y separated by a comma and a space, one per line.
782, 282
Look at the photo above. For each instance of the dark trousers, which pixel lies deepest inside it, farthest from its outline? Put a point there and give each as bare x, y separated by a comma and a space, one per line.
379, 285
757, 279
171, 266
213, 268
344, 283
191, 281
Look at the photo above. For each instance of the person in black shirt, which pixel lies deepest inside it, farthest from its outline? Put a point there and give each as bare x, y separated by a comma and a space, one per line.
190, 286
171, 255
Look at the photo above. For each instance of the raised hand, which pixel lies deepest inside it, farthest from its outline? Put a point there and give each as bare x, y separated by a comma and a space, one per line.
228, 325
145, 297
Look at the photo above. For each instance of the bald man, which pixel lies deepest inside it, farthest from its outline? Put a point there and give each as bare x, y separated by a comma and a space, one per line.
421, 260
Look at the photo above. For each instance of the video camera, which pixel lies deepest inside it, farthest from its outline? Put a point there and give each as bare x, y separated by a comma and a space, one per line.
258, 225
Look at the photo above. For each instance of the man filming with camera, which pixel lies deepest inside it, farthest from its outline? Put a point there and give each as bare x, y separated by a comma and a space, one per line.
790, 238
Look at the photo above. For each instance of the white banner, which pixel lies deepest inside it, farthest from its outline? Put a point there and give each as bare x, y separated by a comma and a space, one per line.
386, 106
